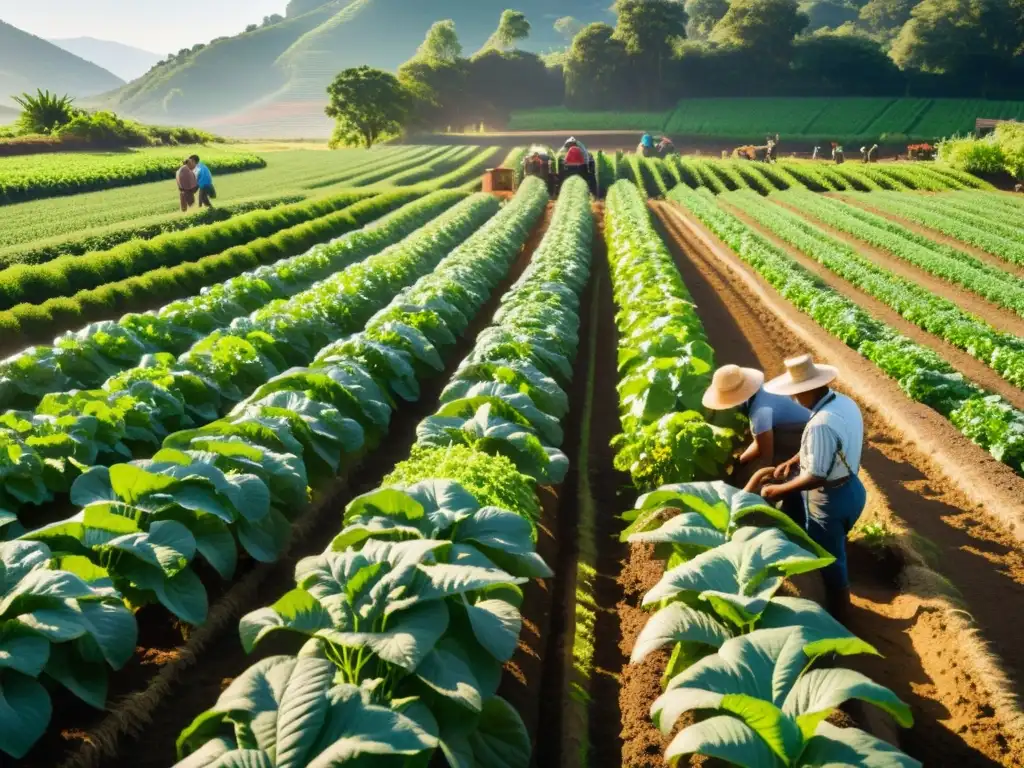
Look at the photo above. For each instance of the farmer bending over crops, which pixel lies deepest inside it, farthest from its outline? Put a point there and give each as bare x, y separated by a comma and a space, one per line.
776, 424
187, 184
205, 181
825, 470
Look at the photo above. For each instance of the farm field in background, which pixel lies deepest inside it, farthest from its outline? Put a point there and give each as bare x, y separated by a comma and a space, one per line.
812, 119
369, 456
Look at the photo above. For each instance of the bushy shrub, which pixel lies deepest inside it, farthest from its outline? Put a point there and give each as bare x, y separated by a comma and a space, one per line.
1010, 138
105, 129
972, 155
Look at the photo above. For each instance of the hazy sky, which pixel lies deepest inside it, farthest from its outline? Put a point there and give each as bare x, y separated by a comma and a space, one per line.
160, 26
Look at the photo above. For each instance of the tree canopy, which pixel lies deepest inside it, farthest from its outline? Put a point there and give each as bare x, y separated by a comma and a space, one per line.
596, 68
764, 27
703, 15
367, 104
441, 43
512, 28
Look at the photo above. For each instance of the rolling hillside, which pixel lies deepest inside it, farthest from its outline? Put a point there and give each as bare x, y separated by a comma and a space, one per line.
123, 60
28, 62
278, 74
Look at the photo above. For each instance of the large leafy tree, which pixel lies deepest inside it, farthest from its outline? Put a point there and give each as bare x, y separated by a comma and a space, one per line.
703, 15
764, 27
513, 27
973, 38
886, 16
597, 68
650, 30
845, 64
441, 43
367, 104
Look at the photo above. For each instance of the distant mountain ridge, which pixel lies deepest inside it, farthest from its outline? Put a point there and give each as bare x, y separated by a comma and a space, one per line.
28, 62
278, 74
125, 61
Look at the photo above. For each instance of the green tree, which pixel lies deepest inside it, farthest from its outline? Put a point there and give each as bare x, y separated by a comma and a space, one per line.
513, 27
568, 27
367, 104
764, 27
441, 43
886, 16
597, 69
845, 65
651, 29
44, 112
970, 38
703, 15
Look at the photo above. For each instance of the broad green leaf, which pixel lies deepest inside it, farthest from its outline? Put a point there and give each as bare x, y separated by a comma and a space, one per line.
297, 610
87, 681
22, 651
496, 625
501, 739
725, 738
821, 690
447, 674
678, 623
782, 735
25, 711
302, 714
832, 746
133, 484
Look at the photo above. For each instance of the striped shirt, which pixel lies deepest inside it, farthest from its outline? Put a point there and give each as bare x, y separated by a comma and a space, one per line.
836, 425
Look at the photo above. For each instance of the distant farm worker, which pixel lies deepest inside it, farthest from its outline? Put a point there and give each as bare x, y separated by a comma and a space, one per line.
205, 181
187, 184
873, 154
575, 157
864, 154
826, 468
666, 147
776, 424
838, 154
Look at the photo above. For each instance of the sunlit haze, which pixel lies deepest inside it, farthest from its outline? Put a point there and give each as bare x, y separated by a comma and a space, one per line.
152, 25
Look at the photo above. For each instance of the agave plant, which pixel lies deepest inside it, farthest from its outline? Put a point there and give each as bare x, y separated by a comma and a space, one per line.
53, 626
767, 706
287, 712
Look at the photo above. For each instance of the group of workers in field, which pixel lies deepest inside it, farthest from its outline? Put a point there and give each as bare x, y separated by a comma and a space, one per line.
805, 454
867, 154
650, 147
195, 181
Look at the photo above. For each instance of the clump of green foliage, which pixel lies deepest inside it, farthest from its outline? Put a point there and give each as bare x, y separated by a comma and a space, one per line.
1002, 150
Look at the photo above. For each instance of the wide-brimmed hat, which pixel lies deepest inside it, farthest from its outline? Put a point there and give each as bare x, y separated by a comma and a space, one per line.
732, 386
802, 375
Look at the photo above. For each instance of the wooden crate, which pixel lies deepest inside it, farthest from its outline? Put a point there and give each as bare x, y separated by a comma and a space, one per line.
499, 180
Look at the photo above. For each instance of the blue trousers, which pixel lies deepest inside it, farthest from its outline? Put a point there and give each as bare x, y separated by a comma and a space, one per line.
831, 516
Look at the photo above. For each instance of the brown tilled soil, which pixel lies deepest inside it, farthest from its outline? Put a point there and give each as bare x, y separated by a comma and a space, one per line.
972, 368
932, 659
184, 678
933, 234
1001, 319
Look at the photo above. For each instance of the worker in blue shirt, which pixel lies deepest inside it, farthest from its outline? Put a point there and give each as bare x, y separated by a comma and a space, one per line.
205, 181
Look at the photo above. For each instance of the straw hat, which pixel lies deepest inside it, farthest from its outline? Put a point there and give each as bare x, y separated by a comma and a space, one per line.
732, 386
802, 375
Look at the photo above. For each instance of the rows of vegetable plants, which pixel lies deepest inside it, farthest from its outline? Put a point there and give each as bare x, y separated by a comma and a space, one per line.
951, 264
923, 375
949, 223
397, 166
716, 604
35, 322
755, 665
31, 177
402, 625
816, 176
85, 358
138, 407
665, 362
144, 524
1002, 352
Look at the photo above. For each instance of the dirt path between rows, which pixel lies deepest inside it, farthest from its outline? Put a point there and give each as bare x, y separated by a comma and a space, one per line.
998, 317
141, 728
934, 234
972, 368
965, 711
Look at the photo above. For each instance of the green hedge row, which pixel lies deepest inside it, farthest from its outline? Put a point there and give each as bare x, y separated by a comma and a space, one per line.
35, 323
69, 275
105, 238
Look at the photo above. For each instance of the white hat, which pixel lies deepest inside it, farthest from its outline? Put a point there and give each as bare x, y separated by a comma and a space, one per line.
802, 375
732, 386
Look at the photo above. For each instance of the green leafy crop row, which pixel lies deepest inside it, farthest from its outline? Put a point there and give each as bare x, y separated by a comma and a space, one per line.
144, 523
135, 409
406, 619
83, 359
1002, 352
664, 359
36, 176
926, 378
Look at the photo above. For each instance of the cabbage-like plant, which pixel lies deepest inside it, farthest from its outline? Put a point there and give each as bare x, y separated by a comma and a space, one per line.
768, 705
444, 509
409, 339
489, 432
508, 403
53, 625
520, 376
287, 712
684, 519
739, 577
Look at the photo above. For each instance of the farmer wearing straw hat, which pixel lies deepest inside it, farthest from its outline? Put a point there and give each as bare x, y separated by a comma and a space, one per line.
776, 424
826, 467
